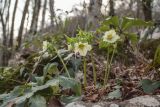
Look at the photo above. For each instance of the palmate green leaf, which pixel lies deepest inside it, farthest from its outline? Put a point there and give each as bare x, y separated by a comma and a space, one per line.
69, 99
105, 25
115, 94
149, 86
22, 104
132, 37
128, 23
69, 83
112, 21
25, 93
103, 28
37, 101
76, 63
70, 40
115, 21
39, 80
50, 68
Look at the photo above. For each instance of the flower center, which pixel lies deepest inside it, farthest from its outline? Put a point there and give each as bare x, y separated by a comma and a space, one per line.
81, 46
109, 37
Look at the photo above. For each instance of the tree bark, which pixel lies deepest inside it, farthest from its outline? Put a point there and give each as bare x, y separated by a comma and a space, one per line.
94, 13
43, 14
111, 8
34, 22
52, 12
147, 9
8, 15
20, 33
4, 43
12, 25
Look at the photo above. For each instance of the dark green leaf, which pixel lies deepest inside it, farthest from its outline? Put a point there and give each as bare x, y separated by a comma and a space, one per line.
115, 94
50, 68
69, 99
69, 83
37, 101
149, 86
127, 23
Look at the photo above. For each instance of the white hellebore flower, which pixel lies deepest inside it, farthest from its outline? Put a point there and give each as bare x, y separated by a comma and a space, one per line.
70, 47
110, 36
82, 48
44, 49
45, 46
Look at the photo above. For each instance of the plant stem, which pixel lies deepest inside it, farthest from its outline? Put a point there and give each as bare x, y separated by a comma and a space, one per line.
109, 68
94, 70
62, 63
85, 73
106, 70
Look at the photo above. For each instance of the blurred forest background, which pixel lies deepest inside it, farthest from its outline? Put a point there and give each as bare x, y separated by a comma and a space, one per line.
40, 18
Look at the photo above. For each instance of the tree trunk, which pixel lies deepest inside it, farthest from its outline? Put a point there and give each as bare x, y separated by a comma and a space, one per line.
4, 43
12, 25
147, 9
111, 8
34, 22
94, 13
51, 7
7, 16
43, 14
138, 8
20, 33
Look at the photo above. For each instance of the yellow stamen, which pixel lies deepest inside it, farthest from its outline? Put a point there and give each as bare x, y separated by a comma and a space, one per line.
109, 37
81, 46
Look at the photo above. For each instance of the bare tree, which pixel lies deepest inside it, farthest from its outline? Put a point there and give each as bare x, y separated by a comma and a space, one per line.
4, 18
52, 12
19, 38
4, 39
147, 9
12, 25
43, 14
94, 12
34, 22
111, 8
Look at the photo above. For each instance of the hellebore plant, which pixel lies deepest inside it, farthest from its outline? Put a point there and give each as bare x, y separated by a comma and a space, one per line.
46, 47
81, 49
81, 45
110, 37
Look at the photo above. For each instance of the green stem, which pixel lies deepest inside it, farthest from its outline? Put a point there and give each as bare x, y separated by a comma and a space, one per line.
16, 81
94, 70
109, 68
85, 73
64, 65
106, 70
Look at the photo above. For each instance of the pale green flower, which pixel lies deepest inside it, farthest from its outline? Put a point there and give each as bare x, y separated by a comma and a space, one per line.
45, 45
110, 36
70, 47
82, 48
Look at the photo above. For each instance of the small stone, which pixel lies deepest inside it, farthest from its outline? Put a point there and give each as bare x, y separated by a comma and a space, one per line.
96, 106
146, 101
74, 104
114, 105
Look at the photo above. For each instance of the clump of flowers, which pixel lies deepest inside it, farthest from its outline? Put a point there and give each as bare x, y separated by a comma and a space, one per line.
80, 45
48, 48
110, 37
45, 47
82, 48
